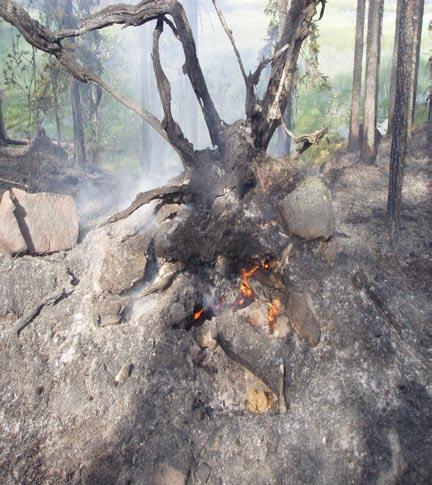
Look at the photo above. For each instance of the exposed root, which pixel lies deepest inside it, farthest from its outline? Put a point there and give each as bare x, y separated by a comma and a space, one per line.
170, 194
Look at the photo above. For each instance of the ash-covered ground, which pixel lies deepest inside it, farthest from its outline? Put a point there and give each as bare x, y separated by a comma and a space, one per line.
103, 381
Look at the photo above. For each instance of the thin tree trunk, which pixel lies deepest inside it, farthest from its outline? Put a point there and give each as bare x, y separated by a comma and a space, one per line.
392, 93
3, 136
417, 32
145, 69
402, 113
284, 141
95, 99
354, 133
78, 124
373, 55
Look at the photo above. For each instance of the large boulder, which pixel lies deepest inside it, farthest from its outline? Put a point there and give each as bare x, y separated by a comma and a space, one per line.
11, 239
37, 223
308, 211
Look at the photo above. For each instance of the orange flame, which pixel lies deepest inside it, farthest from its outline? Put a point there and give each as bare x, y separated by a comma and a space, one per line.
245, 287
274, 310
198, 314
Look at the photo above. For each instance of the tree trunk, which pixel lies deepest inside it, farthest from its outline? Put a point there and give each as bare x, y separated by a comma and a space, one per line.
394, 69
3, 135
95, 100
284, 141
402, 113
145, 132
417, 32
78, 124
373, 55
354, 133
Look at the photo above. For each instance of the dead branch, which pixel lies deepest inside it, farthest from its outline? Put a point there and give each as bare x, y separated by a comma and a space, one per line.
172, 129
169, 194
305, 141
11, 182
229, 33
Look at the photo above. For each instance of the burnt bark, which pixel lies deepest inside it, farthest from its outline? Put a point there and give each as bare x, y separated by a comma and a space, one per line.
354, 133
373, 57
400, 124
392, 92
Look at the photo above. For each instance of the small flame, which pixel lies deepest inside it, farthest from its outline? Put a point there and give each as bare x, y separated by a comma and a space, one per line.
198, 314
245, 287
274, 310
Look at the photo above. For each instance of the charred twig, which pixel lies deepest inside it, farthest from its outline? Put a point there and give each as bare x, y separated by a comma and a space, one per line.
361, 281
11, 182
174, 193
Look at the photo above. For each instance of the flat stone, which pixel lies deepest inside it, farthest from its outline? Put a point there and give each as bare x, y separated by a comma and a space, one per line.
308, 211
167, 475
48, 222
303, 319
11, 239
124, 264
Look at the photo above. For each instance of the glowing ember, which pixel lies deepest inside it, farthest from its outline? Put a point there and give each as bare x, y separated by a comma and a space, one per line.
274, 310
198, 314
245, 287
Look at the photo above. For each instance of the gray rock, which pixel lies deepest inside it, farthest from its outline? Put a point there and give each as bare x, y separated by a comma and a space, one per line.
48, 222
11, 238
308, 211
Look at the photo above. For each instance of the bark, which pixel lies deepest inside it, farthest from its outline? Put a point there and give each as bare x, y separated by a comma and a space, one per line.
402, 114
373, 57
95, 100
354, 133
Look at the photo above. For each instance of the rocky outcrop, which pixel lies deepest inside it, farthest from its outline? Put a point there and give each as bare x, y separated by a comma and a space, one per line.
37, 223
307, 210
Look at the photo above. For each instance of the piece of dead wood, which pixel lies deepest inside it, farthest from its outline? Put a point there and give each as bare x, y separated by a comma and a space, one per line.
51, 300
11, 182
173, 194
281, 388
377, 297
305, 141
